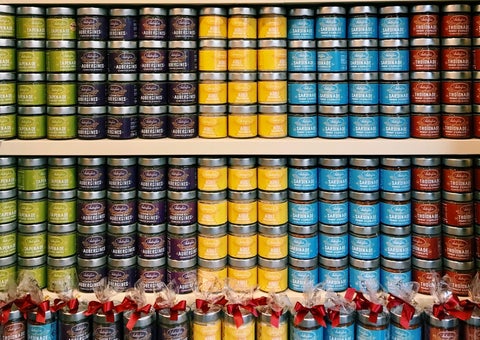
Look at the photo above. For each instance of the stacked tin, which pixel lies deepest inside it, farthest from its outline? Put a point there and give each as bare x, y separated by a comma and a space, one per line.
456, 71
425, 84
363, 88
7, 67
31, 77
475, 69
332, 67
212, 87
92, 67
394, 88
301, 67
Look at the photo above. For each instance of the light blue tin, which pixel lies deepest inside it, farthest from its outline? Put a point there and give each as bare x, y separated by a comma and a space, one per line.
301, 24
394, 89
302, 121
363, 89
363, 121
363, 22
333, 207
362, 272
47, 330
363, 55
331, 23
364, 242
393, 272
333, 241
332, 121
300, 272
303, 241
301, 56
333, 174
367, 330
364, 174
393, 23
395, 208
398, 332
332, 56
395, 242
302, 207
308, 329
364, 208
394, 55
345, 329
333, 273
395, 174
302, 174
395, 121
332, 89
302, 89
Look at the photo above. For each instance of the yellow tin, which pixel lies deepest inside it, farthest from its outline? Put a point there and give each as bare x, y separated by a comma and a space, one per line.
242, 173
242, 121
272, 241
272, 121
212, 55
242, 207
212, 88
242, 23
212, 121
272, 174
272, 207
207, 325
266, 330
242, 241
211, 274
212, 23
242, 88
245, 332
242, 273
212, 175
272, 88
242, 56
212, 242
272, 275
212, 208
272, 23
272, 55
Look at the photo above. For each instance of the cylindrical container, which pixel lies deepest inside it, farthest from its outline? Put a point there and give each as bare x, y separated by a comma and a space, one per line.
364, 208
173, 329
35, 267
362, 23
152, 56
344, 330
332, 89
30, 56
61, 56
90, 273
182, 174
395, 242
245, 331
8, 242
457, 175
32, 174
91, 173
207, 325
242, 273
61, 240
395, 121
152, 89
302, 174
301, 272
333, 207
152, 121
91, 207
242, 23
364, 242
272, 121
332, 56
151, 241
425, 121
8, 121
61, 122
182, 122
272, 55
92, 57
183, 56
123, 24
91, 241
32, 207
61, 273
181, 207
457, 121
301, 56
334, 273
8, 270
361, 271
101, 326
242, 174
364, 119
122, 273
363, 55
458, 243
242, 56
457, 209
266, 329
182, 23
8, 206
122, 173
121, 207
395, 174
366, 329
426, 208
61, 173
15, 326
212, 242
152, 23
302, 121
364, 174
394, 271
394, 88
122, 122
242, 207
212, 23
425, 88
92, 23
182, 242
455, 20
182, 89
151, 207
242, 240
332, 174
456, 54
122, 90
183, 274
333, 240
152, 272
46, 329
212, 174
272, 174
212, 55
456, 88
61, 206
272, 88
272, 241
32, 122
425, 21
7, 17
211, 274
393, 22
303, 208
394, 55
395, 208
242, 90
426, 174
363, 90
445, 328
212, 120
426, 242
460, 275
30, 22
423, 272
272, 274
272, 23
144, 327
212, 88
415, 325
272, 207
121, 241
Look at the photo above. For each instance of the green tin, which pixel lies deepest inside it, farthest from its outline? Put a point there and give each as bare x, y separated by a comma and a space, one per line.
8, 206
8, 271
61, 23
8, 88
8, 239
62, 174
7, 55
32, 174
30, 27
61, 89
8, 122
8, 173
7, 21
30, 56
32, 207
32, 127
61, 122
61, 273
32, 240
61, 56
36, 267
62, 240
62, 206
31, 89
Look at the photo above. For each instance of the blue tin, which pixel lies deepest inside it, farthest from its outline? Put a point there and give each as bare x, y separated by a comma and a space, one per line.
332, 56
333, 174
331, 23
363, 121
395, 208
394, 55
364, 208
302, 89
302, 121
363, 22
343, 332
333, 241
302, 174
394, 89
392, 272
332, 121
302, 271
302, 207
364, 174
333, 273
363, 55
301, 24
394, 127
303, 241
395, 174
363, 333
333, 207
396, 248
301, 56
405, 334
364, 242
47, 330
363, 89
393, 26
316, 333
332, 89
361, 271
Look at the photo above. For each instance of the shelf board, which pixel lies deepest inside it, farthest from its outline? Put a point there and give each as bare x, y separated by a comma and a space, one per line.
231, 146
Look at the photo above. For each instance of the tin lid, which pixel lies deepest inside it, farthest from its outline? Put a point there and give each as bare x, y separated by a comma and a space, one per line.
122, 77
364, 162
181, 161
446, 323
49, 315
427, 264
212, 195
152, 161
395, 196
123, 12
426, 161
456, 75
427, 8
394, 76
363, 109
395, 231
272, 109
31, 261
122, 229
6, 194
246, 76
457, 109
302, 162
7, 9
242, 161
457, 42
30, 44
92, 229
212, 161
453, 8
62, 194
152, 77
362, 230
272, 43
212, 109
458, 265
30, 10
275, 230
273, 263
152, 44
427, 230
364, 264
426, 195
181, 195
213, 11
242, 195
91, 161
7, 42
362, 43
182, 109
395, 162
458, 231
91, 195
333, 110
152, 195
151, 228
270, 161
101, 318
333, 263
331, 10
237, 43
92, 11
182, 76
363, 76
242, 263
302, 77
458, 162
329, 44
152, 11
241, 11
126, 161
68, 11
8, 260
272, 76
61, 110
424, 43
242, 109
92, 77
121, 263
242, 229
307, 44
173, 44
383, 318
151, 263
183, 264
333, 76
121, 195
5, 76
32, 195
61, 262
363, 196
423, 109
474, 319
182, 229
213, 314
362, 10
333, 162
32, 162
92, 263
8, 227
164, 316
217, 76
303, 263
393, 10
333, 195
218, 230
62, 161
122, 45
303, 229
301, 12
425, 75
6, 161
333, 229
145, 320
266, 10
404, 265
152, 110
212, 264
188, 11
61, 44
272, 195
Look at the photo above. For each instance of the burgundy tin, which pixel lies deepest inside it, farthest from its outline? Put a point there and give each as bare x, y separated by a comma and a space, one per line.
427, 242
122, 122
92, 23
425, 121
456, 20
456, 88
152, 174
460, 275
457, 121
122, 241
92, 56
152, 24
151, 207
476, 22
476, 54
182, 173
152, 89
122, 173
477, 238
91, 207
456, 54
182, 242
91, 173
182, 24
92, 122
122, 273
152, 122
458, 243
426, 174
476, 122
424, 21
424, 272
426, 208
122, 57
181, 207
476, 175
425, 54
457, 175
121, 207
457, 209
91, 241
476, 89
151, 241
425, 88
152, 56
123, 24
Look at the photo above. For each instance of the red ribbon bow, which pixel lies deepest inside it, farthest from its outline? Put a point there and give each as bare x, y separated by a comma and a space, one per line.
5, 312
72, 305
25, 304
234, 309
42, 308
361, 303
137, 314
408, 311
318, 312
452, 307
275, 317
252, 304
334, 316
126, 304
107, 308
174, 310
205, 305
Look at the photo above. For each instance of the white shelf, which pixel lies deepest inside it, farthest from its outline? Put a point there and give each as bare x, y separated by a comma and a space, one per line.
231, 146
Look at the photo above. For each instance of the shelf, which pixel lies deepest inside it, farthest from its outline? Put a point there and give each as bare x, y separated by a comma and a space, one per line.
231, 146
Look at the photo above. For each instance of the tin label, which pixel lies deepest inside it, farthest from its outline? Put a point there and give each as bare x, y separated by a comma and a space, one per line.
364, 215
394, 60
30, 60
8, 244
272, 92
61, 94
211, 60
272, 213
122, 61
91, 212
395, 248
181, 213
8, 126
121, 213
300, 29
395, 180
394, 93
302, 93
61, 245
333, 246
390, 280
333, 127
8, 177
31, 94
425, 92
364, 179
7, 25
456, 92
365, 248
92, 61
242, 60
406, 334
272, 280
393, 27
182, 126
91, 246
92, 94
61, 28
456, 126
212, 26
425, 126
182, 93
15, 329
425, 58
121, 178
331, 27
242, 246
428, 247
456, 58
303, 247
61, 60
332, 213
152, 27
426, 213
332, 93
302, 213
123, 28
212, 212
332, 60
357, 279
30, 27
32, 127
7, 93
152, 127
341, 332
424, 25
363, 60
61, 127
335, 280
61, 211
242, 179
333, 179
123, 94
7, 59
302, 179
272, 27
183, 27
363, 27
300, 126
183, 60
8, 210
153, 279
242, 93
212, 93
398, 214
455, 25
298, 278
364, 333
300, 334
92, 27
152, 93
458, 248
151, 212
212, 127
242, 27
363, 93
152, 60
395, 126
272, 59
42, 331
184, 279
151, 246
301, 60
122, 127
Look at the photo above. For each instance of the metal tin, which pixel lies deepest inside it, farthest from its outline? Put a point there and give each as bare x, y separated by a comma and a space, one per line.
61, 273
362, 23
30, 22
123, 24
362, 271
122, 273
393, 22
364, 208
34, 266
425, 21
152, 23
91, 241
301, 24
183, 24
121, 207
331, 23
92, 23
152, 272
334, 273
333, 241
455, 20
90, 273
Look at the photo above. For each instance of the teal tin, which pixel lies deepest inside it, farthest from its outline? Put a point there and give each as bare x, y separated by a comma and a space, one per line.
301, 271
301, 56
301, 24
302, 174
332, 56
302, 241
331, 23
333, 174
302, 207
302, 121
333, 207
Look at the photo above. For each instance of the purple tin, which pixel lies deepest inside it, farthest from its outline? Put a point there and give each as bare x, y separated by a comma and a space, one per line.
183, 274
90, 272
123, 24
91, 241
182, 24
182, 242
91, 207
182, 122
152, 122
122, 90
152, 23
92, 122
181, 207
182, 173
182, 89
92, 56
92, 89
122, 122
151, 241
92, 23
122, 57
121, 207
74, 325
182, 56
91, 173
151, 207
153, 273
152, 173
122, 274
122, 241
122, 173
152, 56
152, 89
